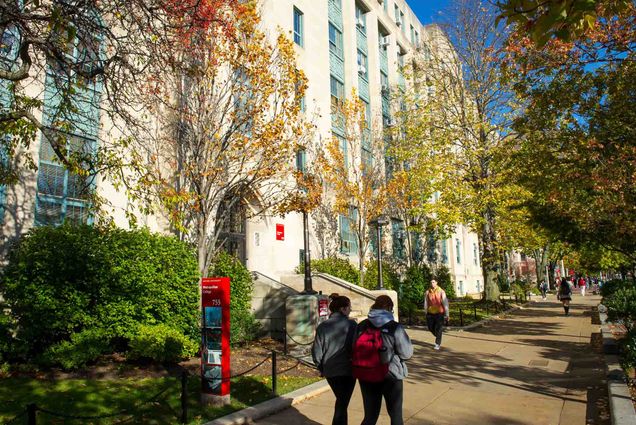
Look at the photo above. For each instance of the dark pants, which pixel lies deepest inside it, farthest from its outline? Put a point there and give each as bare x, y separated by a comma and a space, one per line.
435, 323
372, 393
342, 387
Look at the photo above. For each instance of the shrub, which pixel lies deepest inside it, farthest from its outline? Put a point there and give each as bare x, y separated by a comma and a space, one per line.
517, 288
244, 327
628, 346
621, 306
612, 286
241, 284
390, 275
161, 343
61, 281
504, 285
82, 348
443, 278
417, 279
338, 267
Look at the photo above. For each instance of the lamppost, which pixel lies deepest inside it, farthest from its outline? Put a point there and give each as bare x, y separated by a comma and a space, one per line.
309, 290
380, 221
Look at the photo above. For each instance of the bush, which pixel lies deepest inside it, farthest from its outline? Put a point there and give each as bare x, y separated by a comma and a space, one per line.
62, 281
338, 267
517, 288
82, 348
628, 346
613, 285
161, 343
244, 327
390, 276
417, 279
443, 278
621, 306
504, 286
241, 284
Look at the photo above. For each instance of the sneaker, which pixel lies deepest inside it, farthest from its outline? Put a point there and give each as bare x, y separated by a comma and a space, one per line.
436, 347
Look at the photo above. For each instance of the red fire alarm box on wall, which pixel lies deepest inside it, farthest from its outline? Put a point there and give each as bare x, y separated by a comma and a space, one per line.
280, 232
215, 351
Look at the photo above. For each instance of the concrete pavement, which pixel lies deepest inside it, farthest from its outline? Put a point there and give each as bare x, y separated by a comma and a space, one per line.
534, 366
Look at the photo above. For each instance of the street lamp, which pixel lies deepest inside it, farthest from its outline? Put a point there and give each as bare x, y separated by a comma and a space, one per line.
380, 221
307, 256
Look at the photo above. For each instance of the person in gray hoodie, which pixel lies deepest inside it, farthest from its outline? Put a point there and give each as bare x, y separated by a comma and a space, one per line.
332, 354
398, 349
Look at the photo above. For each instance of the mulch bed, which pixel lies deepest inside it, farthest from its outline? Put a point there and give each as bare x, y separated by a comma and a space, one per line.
115, 366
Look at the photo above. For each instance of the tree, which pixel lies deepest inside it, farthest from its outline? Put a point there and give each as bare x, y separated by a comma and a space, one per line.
466, 112
228, 110
352, 168
71, 69
563, 19
576, 153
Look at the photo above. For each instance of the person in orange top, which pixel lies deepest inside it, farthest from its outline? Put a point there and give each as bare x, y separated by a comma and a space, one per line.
436, 308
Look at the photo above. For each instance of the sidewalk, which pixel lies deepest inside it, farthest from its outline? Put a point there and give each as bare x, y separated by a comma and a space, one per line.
534, 366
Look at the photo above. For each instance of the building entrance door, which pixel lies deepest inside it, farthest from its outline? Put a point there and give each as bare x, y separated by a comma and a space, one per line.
232, 238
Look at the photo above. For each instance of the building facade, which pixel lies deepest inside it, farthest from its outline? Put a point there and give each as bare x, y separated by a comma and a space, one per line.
342, 46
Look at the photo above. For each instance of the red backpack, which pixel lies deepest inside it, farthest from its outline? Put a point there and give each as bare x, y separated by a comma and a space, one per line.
366, 360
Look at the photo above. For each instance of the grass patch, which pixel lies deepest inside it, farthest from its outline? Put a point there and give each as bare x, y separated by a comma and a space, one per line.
472, 311
84, 397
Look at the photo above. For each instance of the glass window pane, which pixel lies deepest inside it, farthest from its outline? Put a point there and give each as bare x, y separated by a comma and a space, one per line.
51, 180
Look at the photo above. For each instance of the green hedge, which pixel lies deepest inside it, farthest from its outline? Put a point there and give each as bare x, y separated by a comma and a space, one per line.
338, 267
243, 325
162, 343
65, 283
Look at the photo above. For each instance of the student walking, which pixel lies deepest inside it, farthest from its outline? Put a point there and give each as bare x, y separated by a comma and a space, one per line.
544, 289
582, 286
436, 308
332, 354
380, 349
564, 294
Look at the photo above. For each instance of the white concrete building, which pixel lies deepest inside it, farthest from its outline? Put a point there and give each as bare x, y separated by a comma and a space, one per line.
341, 45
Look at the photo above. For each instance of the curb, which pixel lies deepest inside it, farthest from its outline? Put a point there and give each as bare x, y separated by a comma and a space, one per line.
269, 407
620, 400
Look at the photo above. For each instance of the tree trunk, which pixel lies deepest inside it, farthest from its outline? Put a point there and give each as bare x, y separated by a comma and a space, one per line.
489, 259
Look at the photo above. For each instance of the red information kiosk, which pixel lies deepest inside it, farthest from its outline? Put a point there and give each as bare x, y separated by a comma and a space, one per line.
215, 350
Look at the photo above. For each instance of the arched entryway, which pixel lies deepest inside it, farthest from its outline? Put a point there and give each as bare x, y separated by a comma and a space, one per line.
232, 237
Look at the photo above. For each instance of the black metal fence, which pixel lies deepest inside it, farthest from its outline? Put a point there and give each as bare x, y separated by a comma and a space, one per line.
31, 410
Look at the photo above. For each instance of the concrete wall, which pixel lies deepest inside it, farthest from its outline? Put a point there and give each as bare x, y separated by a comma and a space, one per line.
361, 298
268, 304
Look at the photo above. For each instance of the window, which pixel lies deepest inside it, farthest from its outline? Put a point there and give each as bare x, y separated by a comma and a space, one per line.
461, 288
417, 39
301, 160
478, 286
444, 252
397, 15
458, 247
475, 254
348, 239
344, 148
62, 195
298, 27
402, 22
335, 40
384, 84
363, 70
398, 232
337, 93
361, 20
412, 34
386, 6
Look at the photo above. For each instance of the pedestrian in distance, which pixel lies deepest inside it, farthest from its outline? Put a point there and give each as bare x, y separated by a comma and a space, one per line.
544, 289
331, 352
582, 286
564, 294
436, 308
380, 349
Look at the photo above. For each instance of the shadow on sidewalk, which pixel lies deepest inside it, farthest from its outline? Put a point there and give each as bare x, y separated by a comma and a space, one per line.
290, 416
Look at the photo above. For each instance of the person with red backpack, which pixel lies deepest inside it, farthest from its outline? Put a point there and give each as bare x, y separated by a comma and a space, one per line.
331, 353
380, 349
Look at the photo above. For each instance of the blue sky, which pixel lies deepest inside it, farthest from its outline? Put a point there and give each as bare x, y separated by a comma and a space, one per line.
427, 10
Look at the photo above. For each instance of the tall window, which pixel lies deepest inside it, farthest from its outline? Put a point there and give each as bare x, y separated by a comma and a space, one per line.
335, 40
344, 149
363, 69
458, 247
399, 237
298, 27
366, 145
402, 22
63, 195
475, 254
361, 20
444, 252
412, 34
301, 160
348, 239
384, 84
397, 15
